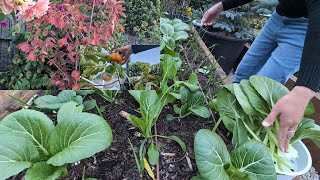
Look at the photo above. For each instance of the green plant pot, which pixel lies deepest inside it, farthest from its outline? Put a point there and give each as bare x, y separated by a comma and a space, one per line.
225, 49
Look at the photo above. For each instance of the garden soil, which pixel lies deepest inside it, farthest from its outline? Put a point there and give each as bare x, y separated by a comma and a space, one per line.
118, 163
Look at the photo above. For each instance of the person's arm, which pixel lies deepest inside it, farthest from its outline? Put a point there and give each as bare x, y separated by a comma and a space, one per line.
229, 4
309, 73
139, 48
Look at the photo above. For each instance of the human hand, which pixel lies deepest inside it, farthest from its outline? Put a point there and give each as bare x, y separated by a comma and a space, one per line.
290, 108
211, 14
125, 51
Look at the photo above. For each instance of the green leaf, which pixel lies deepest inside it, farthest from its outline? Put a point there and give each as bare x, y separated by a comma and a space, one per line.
179, 141
244, 101
270, 90
213, 105
84, 92
169, 117
139, 123
200, 111
310, 109
56, 102
90, 104
303, 126
29, 124
240, 134
153, 154
181, 27
311, 133
68, 110
181, 35
211, 155
2, 16
44, 171
227, 104
90, 179
167, 29
228, 123
16, 154
136, 94
255, 99
78, 137
193, 79
254, 159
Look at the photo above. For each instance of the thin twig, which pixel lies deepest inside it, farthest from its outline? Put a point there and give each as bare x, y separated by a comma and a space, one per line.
94, 1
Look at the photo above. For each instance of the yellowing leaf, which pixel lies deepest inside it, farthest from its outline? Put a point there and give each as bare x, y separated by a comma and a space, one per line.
147, 166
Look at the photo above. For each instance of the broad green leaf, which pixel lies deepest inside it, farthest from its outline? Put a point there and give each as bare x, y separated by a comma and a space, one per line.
90, 104
68, 109
240, 135
227, 104
198, 177
16, 154
254, 159
311, 133
255, 99
181, 27
244, 101
200, 111
193, 79
136, 94
168, 67
44, 171
139, 123
179, 141
167, 29
78, 137
153, 154
150, 105
180, 35
211, 155
56, 102
228, 123
270, 90
316, 142
192, 87
303, 126
29, 124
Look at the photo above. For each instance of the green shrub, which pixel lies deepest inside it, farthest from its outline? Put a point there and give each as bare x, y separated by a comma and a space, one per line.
143, 20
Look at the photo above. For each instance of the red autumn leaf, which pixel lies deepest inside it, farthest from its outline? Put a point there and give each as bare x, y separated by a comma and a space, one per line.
76, 75
24, 47
45, 33
75, 87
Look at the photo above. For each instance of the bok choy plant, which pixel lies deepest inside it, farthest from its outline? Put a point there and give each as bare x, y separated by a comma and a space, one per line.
151, 105
30, 140
243, 107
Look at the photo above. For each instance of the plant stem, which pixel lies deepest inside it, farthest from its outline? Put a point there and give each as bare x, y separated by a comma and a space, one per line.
251, 132
156, 141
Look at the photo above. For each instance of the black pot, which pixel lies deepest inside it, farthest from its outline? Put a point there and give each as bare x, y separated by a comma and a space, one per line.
172, 16
225, 49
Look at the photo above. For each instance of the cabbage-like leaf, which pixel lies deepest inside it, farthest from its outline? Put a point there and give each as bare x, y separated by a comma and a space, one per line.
270, 90
254, 159
78, 137
254, 98
16, 154
56, 102
30, 124
211, 155
227, 104
167, 29
44, 171
244, 101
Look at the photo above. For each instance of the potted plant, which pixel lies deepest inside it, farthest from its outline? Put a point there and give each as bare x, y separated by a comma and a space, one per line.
232, 30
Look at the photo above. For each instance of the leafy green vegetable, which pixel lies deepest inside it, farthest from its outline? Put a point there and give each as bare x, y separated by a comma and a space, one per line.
17, 154
31, 137
56, 102
44, 171
251, 160
211, 155
153, 154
